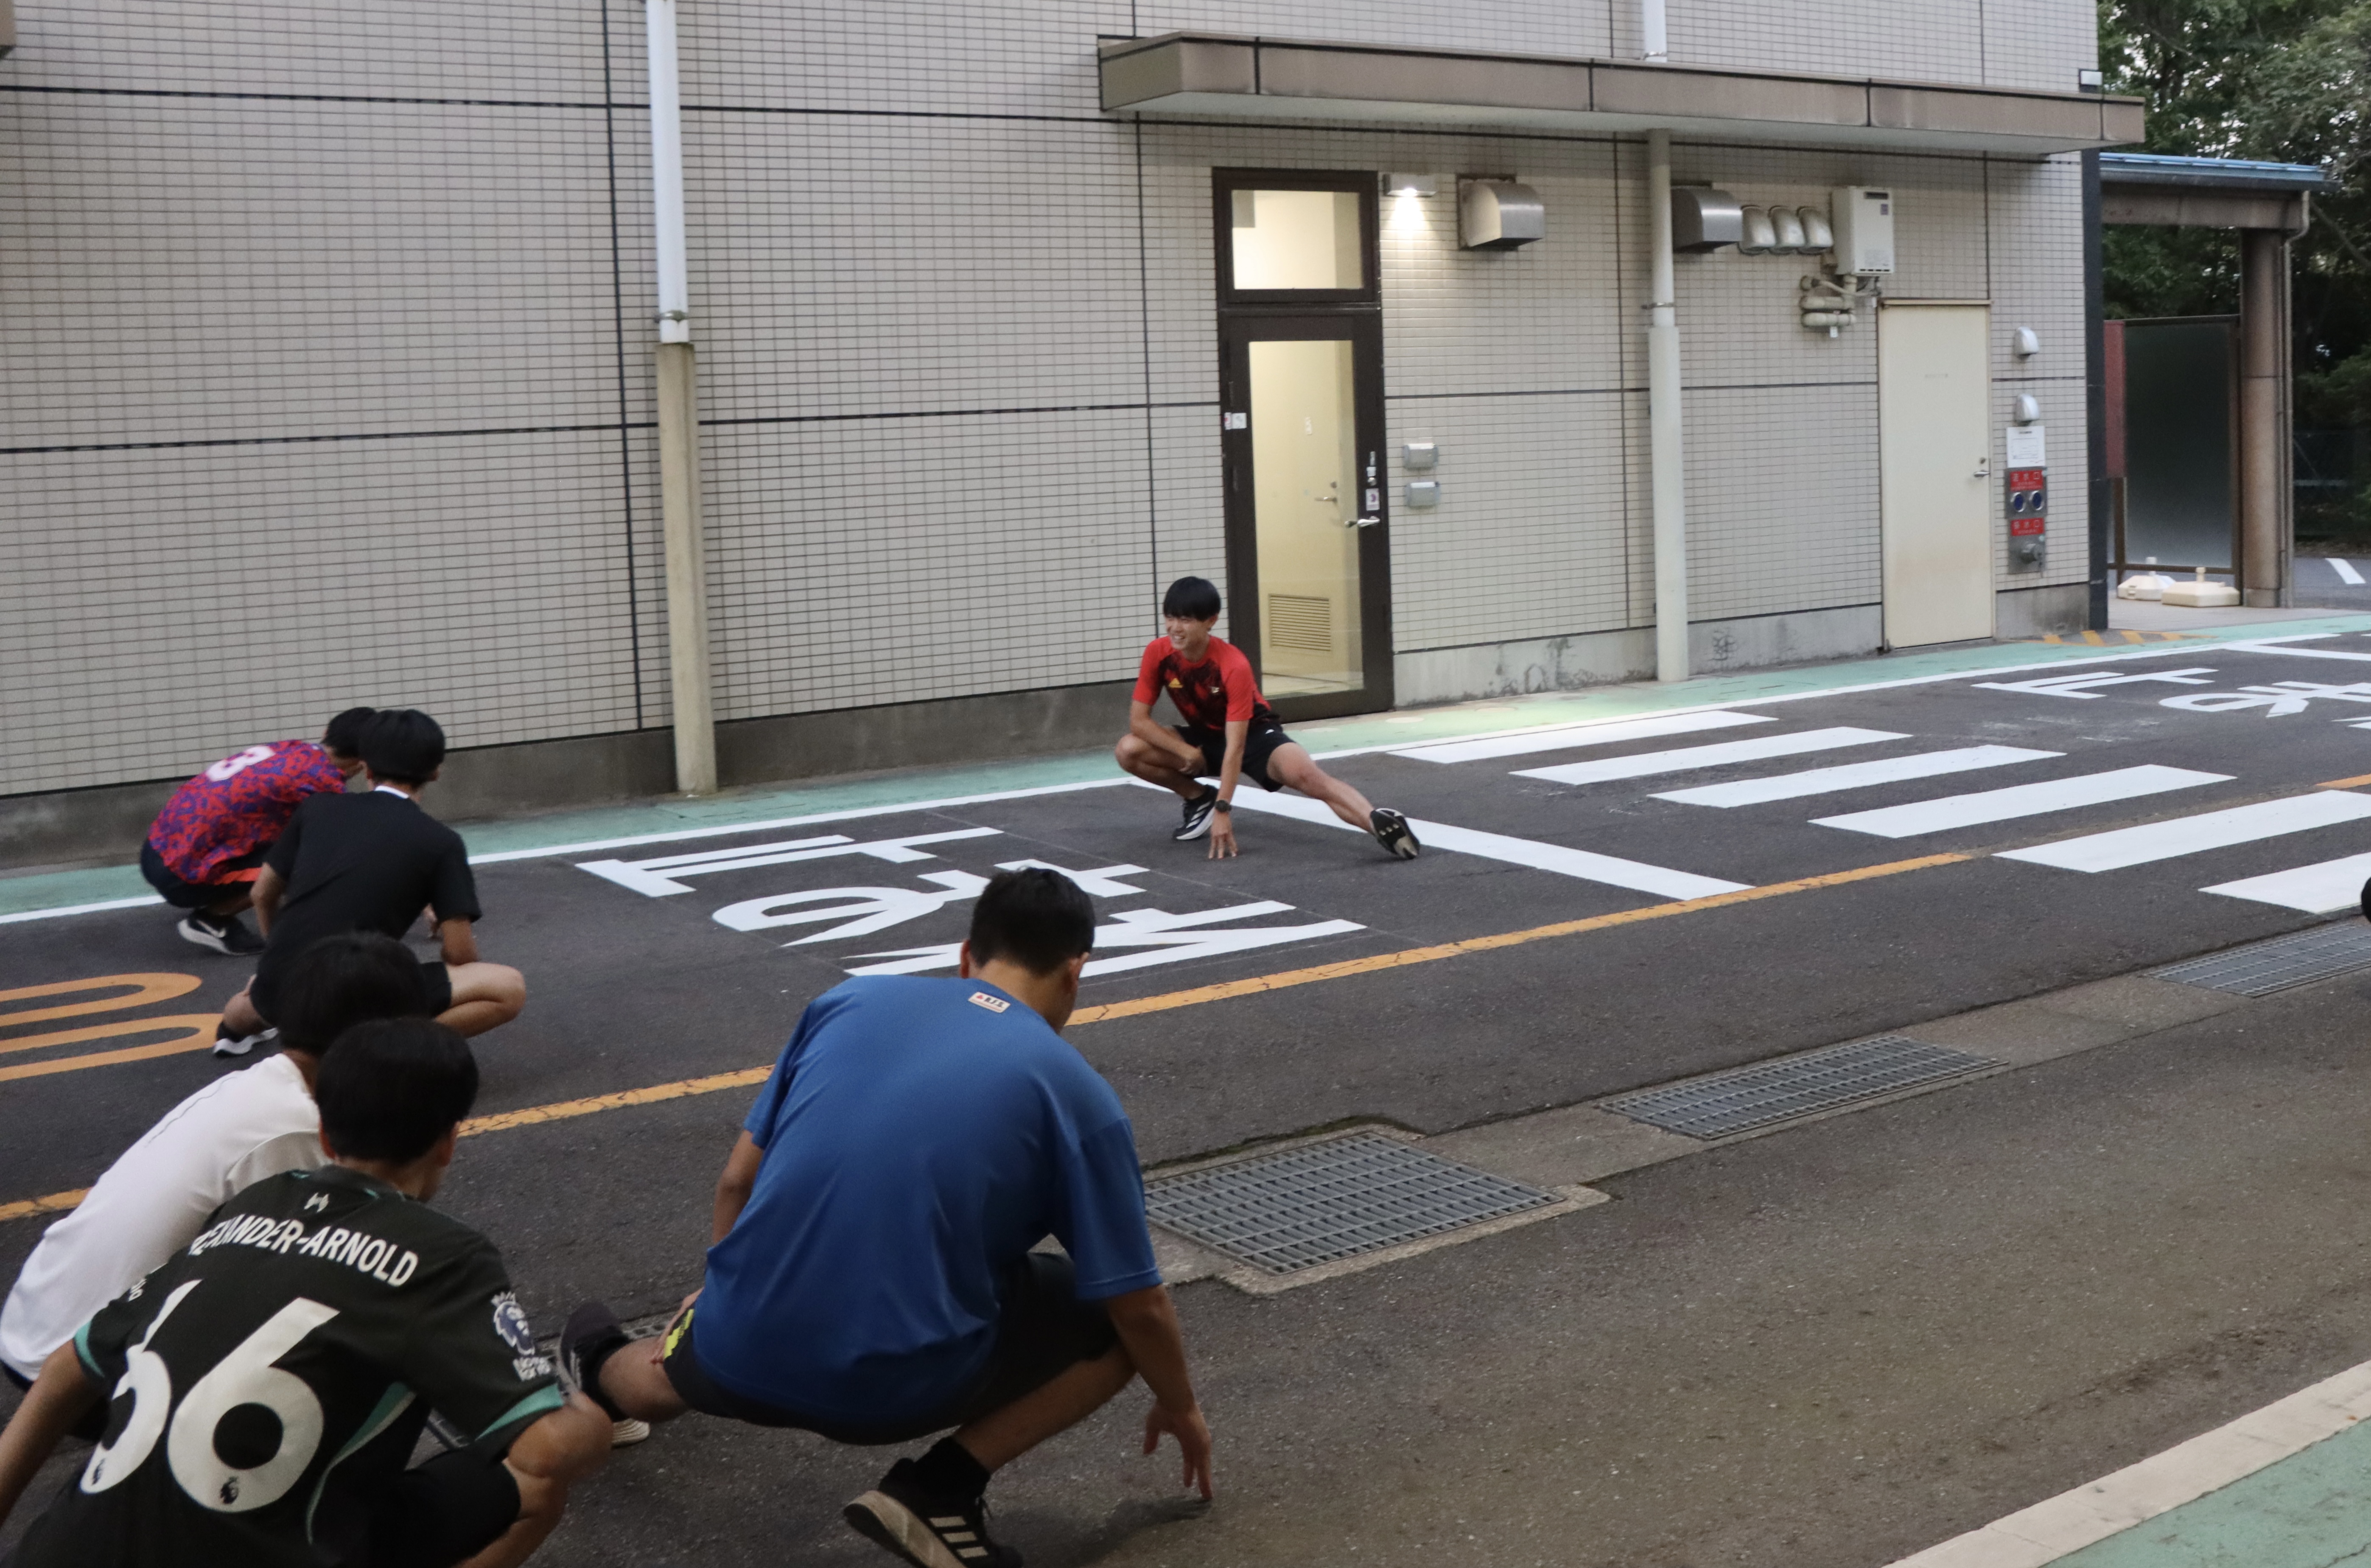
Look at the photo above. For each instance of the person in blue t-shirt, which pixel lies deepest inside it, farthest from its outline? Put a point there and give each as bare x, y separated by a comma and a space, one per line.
873, 1277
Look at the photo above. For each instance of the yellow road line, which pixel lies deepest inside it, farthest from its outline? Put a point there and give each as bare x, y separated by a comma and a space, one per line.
198, 1033
56, 1202
145, 989
684, 1089
2354, 783
1262, 982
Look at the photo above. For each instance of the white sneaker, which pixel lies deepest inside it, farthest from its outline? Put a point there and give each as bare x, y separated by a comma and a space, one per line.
225, 1045
629, 1432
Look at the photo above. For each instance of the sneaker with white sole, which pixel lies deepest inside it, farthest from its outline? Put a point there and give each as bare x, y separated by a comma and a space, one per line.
1198, 816
1392, 831
925, 1529
229, 1044
223, 934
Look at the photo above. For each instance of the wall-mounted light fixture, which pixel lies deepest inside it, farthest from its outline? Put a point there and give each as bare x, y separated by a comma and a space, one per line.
1411, 184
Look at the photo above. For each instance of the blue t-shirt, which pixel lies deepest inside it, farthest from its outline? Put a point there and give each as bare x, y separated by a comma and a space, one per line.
921, 1136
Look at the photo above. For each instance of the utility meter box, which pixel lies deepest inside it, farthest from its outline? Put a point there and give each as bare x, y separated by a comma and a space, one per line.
1863, 221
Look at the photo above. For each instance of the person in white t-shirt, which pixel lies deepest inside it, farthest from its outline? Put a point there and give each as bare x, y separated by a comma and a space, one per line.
228, 1136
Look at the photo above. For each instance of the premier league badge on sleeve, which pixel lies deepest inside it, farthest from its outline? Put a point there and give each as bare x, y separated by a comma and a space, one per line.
510, 1321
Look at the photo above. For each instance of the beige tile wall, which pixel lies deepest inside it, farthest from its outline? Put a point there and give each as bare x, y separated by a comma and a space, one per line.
957, 345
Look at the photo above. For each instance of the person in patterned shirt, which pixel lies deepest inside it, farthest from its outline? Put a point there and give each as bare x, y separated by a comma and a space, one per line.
206, 846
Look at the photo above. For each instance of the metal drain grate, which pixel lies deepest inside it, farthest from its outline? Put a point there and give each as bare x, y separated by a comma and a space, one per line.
1323, 1201
1746, 1098
2274, 965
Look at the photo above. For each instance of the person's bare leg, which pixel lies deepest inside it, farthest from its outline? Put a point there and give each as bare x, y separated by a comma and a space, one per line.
1002, 1436
485, 996
239, 1018
633, 1380
1149, 763
1293, 766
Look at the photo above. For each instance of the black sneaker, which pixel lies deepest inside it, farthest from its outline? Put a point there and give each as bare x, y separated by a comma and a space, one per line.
229, 1044
590, 1337
226, 933
1392, 831
1198, 816
927, 1530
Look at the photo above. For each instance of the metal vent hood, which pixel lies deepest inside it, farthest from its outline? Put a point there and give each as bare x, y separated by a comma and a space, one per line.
1219, 76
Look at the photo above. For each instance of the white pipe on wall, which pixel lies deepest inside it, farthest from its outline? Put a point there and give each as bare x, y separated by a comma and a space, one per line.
666, 174
1653, 44
1670, 490
689, 681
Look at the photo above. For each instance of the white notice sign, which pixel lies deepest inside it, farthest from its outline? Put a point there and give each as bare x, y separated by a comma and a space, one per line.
2025, 448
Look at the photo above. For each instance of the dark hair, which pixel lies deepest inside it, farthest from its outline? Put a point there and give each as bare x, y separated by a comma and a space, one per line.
344, 980
403, 745
1040, 919
1196, 598
390, 1087
344, 734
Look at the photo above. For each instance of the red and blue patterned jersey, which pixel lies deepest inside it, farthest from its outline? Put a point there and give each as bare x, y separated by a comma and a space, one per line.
238, 806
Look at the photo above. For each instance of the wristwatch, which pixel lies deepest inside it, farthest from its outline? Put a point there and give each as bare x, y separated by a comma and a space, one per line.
1226, 806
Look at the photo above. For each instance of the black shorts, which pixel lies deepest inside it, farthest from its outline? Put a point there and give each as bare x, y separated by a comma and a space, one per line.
1042, 1330
443, 1511
196, 895
1260, 744
265, 995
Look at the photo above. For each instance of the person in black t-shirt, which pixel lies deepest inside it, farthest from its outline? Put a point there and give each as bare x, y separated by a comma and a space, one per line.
266, 1384
371, 862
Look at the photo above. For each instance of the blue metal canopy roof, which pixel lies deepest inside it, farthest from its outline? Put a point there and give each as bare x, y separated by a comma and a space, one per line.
2213, 174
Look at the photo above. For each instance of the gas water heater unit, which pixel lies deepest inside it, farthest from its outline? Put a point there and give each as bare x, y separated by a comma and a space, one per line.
1863, 220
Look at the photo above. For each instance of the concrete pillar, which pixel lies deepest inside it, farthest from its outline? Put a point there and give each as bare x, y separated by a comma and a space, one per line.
2263, 414
687, 570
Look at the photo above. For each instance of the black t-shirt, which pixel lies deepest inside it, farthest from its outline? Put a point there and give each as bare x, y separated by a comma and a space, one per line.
361, 863
270, 1380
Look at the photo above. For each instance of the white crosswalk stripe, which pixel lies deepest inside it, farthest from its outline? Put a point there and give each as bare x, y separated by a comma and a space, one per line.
1854, 776
1569, 736
2322, 889
2205, 830
2346, 572
2019, 800
1687, 758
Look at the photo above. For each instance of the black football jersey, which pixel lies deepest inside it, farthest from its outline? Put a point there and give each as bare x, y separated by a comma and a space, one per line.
268, 1381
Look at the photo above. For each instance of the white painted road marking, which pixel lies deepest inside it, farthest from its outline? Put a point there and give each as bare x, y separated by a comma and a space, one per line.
1687, 758
2206, 830
2019, 800
1581, 863
1854, 776
2346, 572
2267, 646
2323, 889
1174, 939
2085, 688
658, 878
1565, 737
2048, 1530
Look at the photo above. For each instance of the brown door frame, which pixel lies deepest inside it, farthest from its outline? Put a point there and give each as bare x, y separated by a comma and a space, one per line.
1250, 316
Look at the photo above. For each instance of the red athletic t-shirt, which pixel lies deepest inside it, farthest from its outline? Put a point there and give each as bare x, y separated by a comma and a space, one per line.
237, 807
1208, 693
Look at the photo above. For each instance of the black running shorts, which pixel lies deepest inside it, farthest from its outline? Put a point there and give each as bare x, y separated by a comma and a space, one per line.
195, 895
443, 1511
1043, 1331
265, 995
1260, 744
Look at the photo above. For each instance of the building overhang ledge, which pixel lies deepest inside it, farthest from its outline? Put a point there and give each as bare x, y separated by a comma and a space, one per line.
1219, 76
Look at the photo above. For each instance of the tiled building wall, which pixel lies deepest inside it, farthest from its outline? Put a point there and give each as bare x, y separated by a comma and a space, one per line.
332, 400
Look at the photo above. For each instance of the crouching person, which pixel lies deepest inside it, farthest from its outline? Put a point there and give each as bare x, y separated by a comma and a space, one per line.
264, 1387
872, 1279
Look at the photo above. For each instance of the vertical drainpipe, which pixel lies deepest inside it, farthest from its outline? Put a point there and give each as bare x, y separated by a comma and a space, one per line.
1654, 45
2100, 490
678, 399
1663, 425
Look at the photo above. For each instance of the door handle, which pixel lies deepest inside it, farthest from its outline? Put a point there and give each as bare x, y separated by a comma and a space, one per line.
1361, 521
1983, 468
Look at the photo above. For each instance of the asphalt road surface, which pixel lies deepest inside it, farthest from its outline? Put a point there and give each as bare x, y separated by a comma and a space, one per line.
1834, 1344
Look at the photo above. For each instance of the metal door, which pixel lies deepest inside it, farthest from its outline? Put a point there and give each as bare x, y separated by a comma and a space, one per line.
1934, 393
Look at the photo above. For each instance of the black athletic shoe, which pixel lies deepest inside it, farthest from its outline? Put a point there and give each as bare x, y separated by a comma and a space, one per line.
226, 933
590, 1337
1392, 831
1198, 816
927, 1530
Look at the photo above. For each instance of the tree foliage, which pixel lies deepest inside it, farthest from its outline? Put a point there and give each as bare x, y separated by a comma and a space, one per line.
2287, 80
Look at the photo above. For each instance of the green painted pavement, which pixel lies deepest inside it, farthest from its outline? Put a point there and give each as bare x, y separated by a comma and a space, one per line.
2310, 1510
52, 890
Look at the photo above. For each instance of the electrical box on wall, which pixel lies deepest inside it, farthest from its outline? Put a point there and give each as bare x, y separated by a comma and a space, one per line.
1863, 221
2028, 500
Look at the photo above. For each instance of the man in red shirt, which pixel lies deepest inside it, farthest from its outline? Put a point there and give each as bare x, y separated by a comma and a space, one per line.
1229, 731
206, 846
